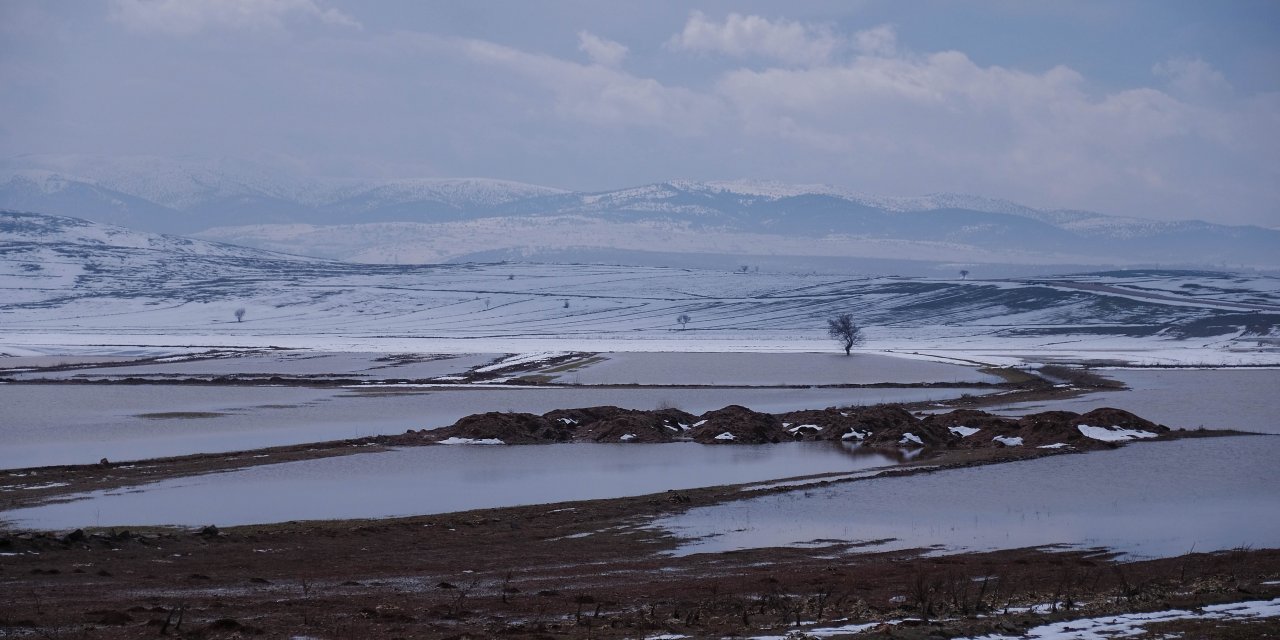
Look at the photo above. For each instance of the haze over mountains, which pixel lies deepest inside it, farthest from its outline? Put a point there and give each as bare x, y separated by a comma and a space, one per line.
713, 224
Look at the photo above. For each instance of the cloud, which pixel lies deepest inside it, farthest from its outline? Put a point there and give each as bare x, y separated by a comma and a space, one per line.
747, 36
601, 51
599, 94
1193, 78
881, 40
943, 120
185, 17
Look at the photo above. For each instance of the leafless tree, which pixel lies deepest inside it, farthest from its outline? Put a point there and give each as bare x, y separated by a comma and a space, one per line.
240, 314
842, 329
964, 274
683, 319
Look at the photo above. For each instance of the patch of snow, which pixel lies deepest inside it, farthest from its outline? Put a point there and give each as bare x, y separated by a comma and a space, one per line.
908, 438
520, 358
860, 435
964, 432
697, 424
568, 421
1132, 624
796, 429
1056, 445
456, 440
726, 436
1113, 434
628, 437
1008, 441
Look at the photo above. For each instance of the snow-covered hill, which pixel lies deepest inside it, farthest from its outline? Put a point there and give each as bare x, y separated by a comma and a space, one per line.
61, 276
238, 202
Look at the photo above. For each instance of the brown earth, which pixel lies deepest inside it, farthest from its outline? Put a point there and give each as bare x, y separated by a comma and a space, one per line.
573, 570
881, 426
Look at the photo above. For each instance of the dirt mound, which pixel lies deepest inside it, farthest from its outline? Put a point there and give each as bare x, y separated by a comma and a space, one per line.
961, 424
815, 424
636, 426
891, 426
614, 424
1109, 417
738, 425
510, 428
584, 415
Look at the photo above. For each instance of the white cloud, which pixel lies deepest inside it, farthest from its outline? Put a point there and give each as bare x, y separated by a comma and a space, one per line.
184, 17
943, 122
601, 51
881, 40
1193, 78
744, 36
602, 95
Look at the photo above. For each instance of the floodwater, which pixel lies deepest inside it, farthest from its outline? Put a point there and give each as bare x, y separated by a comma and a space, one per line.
1153, 499
1147, 499
1243, 399
440, 479
766, 369
80, 424
373, 366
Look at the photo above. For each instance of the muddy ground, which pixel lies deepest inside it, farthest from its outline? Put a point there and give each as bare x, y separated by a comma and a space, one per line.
574, 570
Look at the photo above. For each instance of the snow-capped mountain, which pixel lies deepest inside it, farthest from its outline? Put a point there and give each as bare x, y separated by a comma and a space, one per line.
459, 219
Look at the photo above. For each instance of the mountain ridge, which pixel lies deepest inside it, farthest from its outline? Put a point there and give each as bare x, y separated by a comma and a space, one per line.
232, 200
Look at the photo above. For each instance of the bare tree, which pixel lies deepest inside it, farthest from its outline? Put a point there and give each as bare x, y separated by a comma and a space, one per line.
842, 329
683, 319
240, 314
964, 274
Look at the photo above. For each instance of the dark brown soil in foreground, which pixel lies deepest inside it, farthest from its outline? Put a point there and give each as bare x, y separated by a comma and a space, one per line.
575, 570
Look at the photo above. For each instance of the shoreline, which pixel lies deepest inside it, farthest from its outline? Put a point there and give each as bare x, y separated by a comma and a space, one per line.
587, 569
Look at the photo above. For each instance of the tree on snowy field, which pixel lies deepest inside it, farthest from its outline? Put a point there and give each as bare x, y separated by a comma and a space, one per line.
240, 314
842, 329
683, 319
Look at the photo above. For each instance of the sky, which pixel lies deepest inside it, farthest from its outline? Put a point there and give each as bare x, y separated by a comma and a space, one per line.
1162, 109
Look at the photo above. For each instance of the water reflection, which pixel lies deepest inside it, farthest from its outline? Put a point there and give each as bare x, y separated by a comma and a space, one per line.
442, 479
73, 424
1149, 499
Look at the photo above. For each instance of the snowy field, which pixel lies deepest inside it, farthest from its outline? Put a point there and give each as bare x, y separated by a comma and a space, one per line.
84, 289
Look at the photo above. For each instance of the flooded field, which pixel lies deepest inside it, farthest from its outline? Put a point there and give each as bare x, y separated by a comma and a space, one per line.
372, 366
1243, 399
1148, 500
765, 369
80, 424
440, 479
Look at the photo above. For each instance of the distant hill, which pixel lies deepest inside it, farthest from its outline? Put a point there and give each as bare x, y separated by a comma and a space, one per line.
63, 275
707, 222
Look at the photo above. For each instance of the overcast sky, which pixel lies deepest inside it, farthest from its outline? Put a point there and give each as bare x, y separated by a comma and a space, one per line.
1159, 109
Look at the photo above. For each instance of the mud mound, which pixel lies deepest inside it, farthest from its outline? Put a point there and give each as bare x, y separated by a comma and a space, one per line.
891, 426
972, 429
613, 424
636, 426
817, 424
738, 425
510, 428
879, 426
584, 415
1109, 417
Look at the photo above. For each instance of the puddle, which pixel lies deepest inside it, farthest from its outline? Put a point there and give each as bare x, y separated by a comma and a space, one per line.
80, 424
1242, 399
1149, 500
441, 479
